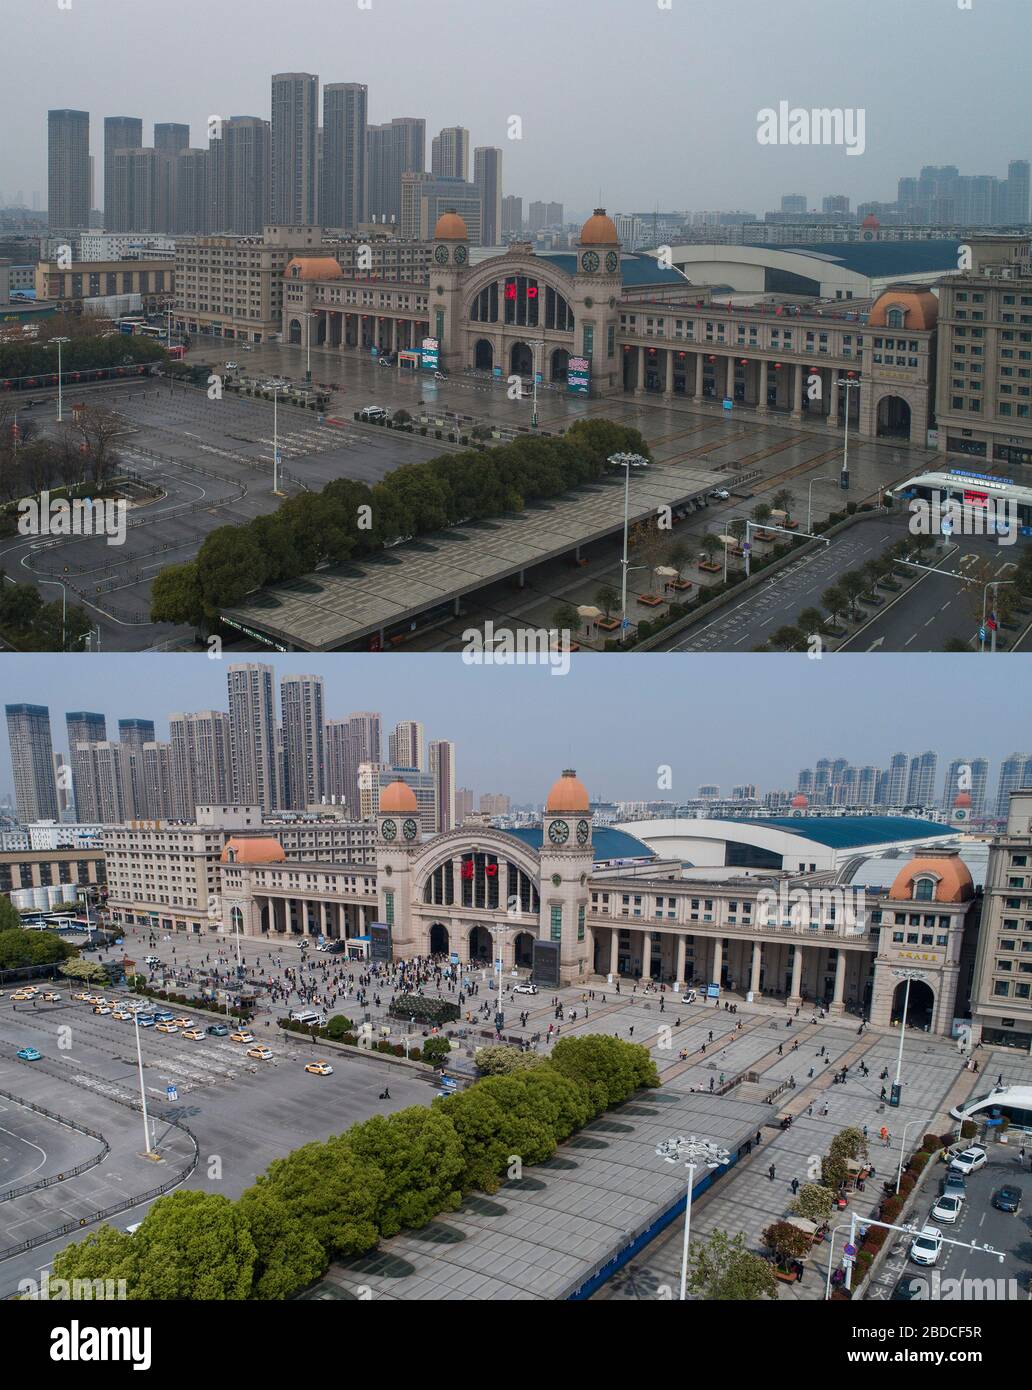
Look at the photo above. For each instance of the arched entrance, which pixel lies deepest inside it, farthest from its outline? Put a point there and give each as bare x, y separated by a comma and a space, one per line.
438, 940
483, 355
295, 332
560, 363
893, 418
920, 1008
523, 949
521, 360
480, 944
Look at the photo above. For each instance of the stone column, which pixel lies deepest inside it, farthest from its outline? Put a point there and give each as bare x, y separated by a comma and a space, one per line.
833, 399
796, 998
668, 388
614, 951
729, 379
456, 882
697, 393
797, 390
757, 962
680, 960
837, 1006
639, 370
717, 960
761, 394
322, 917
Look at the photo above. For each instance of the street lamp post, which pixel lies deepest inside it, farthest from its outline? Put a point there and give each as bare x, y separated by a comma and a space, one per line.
692, 1153
902, 1150
147, 1145
626, 462
275, 440
537, 344
908, 975
308, 315
849, 383
60, 342
995, 585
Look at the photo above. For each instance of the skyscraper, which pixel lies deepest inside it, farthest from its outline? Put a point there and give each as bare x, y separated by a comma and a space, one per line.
397, 148
512, 216
202, 763
100, 773
32, 761
68, 170
304, 749
921, 780
406, 746
449, 154
487, 175
342, 190
896, 781
132, 735
1016, 209
240, 177
969, 775
295, 121
83, 726
442, 768
252, 719
120, 133
171, 136
158, 781
1015, 775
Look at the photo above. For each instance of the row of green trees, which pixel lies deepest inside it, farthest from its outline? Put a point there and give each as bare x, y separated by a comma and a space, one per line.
30, 625
19, 947
340, 1197
349, 519
85, 351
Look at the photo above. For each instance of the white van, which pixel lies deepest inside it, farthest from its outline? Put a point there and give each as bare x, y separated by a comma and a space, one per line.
307, 1016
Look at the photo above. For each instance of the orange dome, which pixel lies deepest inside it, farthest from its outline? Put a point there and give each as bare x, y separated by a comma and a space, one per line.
450, 227
568, 794
253, 850
313, 268
871, 222
920, 307
398, 798
599, 229
962, 799
952, 879
799, 801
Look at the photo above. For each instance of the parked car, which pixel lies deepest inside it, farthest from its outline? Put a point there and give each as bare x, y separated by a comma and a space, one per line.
970, 1160
319, 1068
925, 1247
29, 1054
231, 366
217, 1030
948, 1207
1007, 1198
525, 988
241, 1037
720, 494
440, 376
373, 412
260, 1054
955, 1182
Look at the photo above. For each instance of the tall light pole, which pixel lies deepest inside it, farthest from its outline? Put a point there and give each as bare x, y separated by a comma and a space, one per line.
147, 1144
308, 315
59, 343
626, 462
994, 584
847, 383
275, 440
907, 975
692, 1153
809, 495
536, 344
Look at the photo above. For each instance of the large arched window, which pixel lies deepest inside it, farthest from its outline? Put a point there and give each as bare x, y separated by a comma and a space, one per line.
924, 890
523, 301
236, 919
896, 318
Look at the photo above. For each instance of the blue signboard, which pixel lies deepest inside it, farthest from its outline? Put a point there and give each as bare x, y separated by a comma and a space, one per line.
712, 991
172, 1092
578, 376
728, 403
431, 354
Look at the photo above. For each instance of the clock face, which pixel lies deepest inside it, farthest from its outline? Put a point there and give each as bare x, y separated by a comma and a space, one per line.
441, 255
589, 261
409, 829
558, 832
612, 261
388, 830
583, 830
460, 255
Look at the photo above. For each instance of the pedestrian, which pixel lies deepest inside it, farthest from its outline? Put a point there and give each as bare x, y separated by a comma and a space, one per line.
772, 1172
794, 1184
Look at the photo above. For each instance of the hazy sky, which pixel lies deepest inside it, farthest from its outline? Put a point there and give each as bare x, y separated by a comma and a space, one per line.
723, 719
650, 101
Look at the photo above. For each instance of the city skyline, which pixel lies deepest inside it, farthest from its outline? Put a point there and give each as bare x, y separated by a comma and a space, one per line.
468, 705
623, 159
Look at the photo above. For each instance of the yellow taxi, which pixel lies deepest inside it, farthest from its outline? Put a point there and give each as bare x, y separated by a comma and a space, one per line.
260, 1054
183, 1022
102, 1008
19, 996
165, 1028
194, 1034
81, 997
51, 997
319, 1068
241, 1037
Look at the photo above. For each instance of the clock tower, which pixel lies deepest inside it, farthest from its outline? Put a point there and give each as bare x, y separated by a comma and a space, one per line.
398, 840
598, 281
448, 268
566, 859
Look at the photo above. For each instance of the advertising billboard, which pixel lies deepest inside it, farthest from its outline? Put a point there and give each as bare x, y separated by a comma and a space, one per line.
578, 376
431, 354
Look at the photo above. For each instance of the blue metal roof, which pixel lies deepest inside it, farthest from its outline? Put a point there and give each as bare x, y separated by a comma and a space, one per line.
607, 843
877, 258
847, 832
636, 270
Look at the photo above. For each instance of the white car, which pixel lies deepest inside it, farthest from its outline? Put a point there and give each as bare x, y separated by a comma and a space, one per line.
720, 494
374, 412
947, 1207
970, 1160
925, 1247
527, 988
231, 366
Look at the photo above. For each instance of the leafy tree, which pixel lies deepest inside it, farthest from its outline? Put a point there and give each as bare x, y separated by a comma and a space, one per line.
782, 501
788, 639
497, 1119
811, 622
176, 595
853, 585
710, 543
813, 1202
230, 565
607, 598
421, 1160
194, 1245
436, 1051
721, 1269
678, 555
501, 1061
785, 1241
287, 1254
836, 601
10, 920
332, 1192
106, 1253
85, 970
611, 1069
337, 1026
567, 619
762, 512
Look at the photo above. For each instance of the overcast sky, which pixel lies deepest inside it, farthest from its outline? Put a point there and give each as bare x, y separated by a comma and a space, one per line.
723, 719
648, 106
